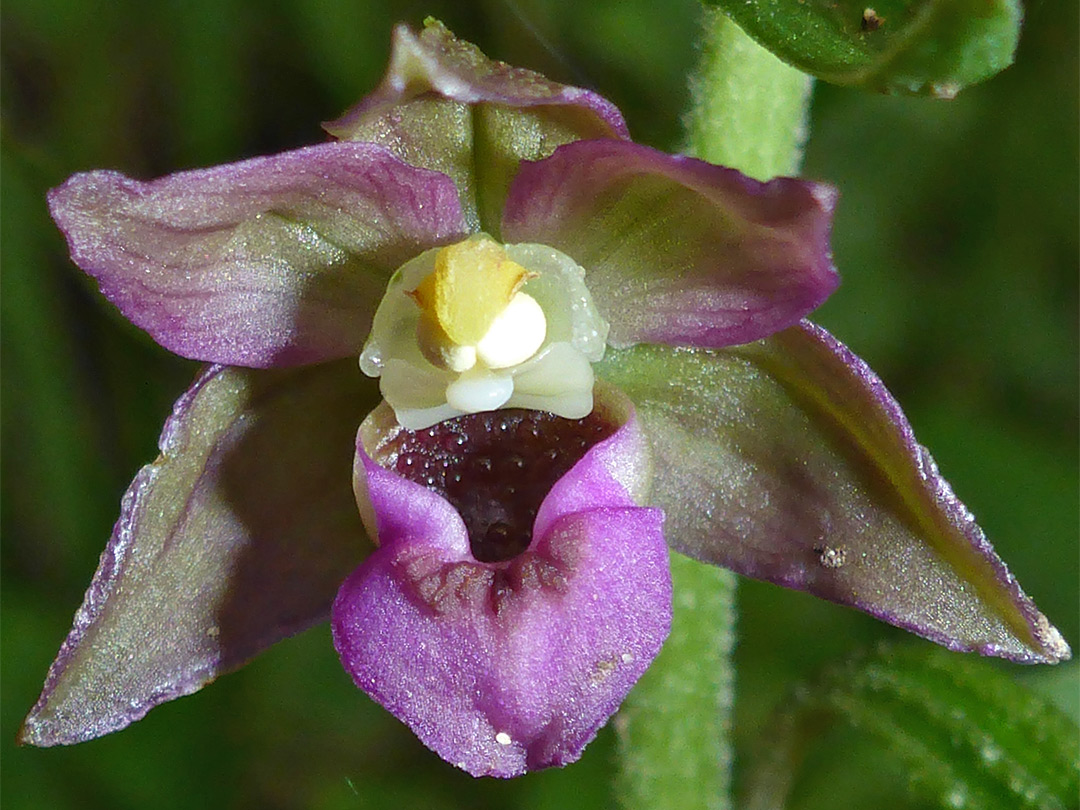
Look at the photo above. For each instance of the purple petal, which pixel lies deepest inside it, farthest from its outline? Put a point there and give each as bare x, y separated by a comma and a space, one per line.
436, 61
445, 106
237, 536
508, 667
275, 261
676, 250
787, 460
615, 472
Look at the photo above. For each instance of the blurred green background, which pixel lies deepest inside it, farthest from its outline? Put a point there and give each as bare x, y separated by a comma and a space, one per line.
956, 237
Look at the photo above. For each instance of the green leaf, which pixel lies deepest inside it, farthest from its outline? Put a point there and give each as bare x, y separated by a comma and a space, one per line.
922, 47
964, 732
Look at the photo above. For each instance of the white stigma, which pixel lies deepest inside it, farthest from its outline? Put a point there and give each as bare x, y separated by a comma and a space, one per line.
515, 334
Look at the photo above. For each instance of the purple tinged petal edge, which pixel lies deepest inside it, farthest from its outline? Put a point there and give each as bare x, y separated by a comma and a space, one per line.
277, 260
110, 569
1054, 647
755, 258
788, 461
458, 71
213, 444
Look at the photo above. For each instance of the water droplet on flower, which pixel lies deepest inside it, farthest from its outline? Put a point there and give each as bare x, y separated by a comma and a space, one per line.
831, 556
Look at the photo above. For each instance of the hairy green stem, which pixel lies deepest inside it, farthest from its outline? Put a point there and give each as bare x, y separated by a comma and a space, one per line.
749, 111
749, 108
673, 728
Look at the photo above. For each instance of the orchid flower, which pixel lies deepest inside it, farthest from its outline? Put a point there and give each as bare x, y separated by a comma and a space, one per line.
577, 355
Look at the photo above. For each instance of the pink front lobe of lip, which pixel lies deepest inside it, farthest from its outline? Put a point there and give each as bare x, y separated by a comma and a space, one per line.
506, 667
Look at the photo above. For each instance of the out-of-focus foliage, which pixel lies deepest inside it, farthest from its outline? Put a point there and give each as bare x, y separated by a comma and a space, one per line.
960, 731
956, 237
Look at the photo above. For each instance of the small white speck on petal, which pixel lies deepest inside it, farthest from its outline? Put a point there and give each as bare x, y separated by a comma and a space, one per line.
502, 738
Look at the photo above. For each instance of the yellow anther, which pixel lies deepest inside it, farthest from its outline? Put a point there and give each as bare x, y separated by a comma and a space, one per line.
472, 284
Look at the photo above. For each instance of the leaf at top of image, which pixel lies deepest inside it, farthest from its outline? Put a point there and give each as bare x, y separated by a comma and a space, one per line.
918, 47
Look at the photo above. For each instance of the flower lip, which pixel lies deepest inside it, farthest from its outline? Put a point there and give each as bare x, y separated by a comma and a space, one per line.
495, 469
509, 666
